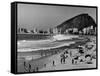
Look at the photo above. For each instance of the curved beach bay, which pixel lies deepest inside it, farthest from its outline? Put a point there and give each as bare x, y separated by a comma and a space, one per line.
39, 52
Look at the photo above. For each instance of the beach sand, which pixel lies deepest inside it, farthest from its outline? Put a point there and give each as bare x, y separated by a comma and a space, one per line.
38, 61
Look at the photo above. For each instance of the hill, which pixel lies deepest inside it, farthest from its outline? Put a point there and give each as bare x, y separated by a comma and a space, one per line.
80, 21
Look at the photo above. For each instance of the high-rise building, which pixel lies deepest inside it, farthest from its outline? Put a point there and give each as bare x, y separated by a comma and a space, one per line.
35, 30
75, 30
55, 31
84, 30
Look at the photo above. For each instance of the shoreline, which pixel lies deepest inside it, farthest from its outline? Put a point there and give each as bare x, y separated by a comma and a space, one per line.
51, 51
37, 46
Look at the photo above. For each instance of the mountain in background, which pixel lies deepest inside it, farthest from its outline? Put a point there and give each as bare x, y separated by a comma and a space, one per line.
80, 21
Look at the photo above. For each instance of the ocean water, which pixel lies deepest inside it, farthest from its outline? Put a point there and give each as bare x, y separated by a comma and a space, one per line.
33, 45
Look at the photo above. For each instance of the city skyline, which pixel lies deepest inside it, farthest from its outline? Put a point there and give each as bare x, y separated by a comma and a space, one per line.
45, 17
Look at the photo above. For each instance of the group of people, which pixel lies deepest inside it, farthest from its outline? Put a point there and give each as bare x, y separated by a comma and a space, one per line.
28, 68
64, 56
79, 56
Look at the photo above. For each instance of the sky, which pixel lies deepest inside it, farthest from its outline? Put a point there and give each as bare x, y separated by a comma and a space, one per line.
44, 17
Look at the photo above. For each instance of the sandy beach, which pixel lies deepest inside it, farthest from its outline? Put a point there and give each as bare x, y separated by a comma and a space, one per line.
42, 58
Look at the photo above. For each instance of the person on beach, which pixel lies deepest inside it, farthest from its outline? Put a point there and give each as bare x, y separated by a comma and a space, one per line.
61, 56
61, 60
64, 60
44, 65
25, 67
24, 63
66, 52
75, 60
53, 63
37, 68
88, 58
29, 67
72, 61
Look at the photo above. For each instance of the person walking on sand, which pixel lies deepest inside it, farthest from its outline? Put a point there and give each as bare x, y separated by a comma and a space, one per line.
64, 60
29, 67
61, 60
44, 65
53, 63
24, 64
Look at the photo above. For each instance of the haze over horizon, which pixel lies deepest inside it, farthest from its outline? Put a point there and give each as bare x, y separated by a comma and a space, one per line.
44, 17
